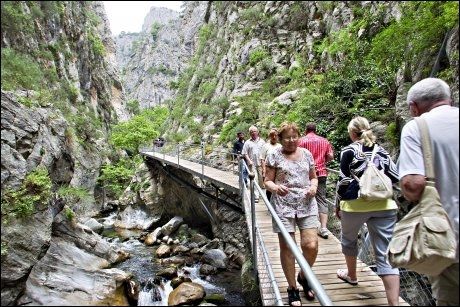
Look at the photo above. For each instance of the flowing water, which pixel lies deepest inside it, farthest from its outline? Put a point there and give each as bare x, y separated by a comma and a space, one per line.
155, 291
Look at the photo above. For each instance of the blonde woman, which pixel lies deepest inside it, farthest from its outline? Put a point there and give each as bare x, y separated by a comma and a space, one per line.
379, 215
291, 177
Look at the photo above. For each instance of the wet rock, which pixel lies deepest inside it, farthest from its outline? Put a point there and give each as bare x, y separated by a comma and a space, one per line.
132, 292
216, 258
187, 293
152, 237
175, 282
215, 298
163, 251
178, 260
94, 225
168, 273
172, 225
180, 249
207, 269
199, 239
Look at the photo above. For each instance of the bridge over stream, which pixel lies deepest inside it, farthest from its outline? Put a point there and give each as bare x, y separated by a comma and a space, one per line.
329, 289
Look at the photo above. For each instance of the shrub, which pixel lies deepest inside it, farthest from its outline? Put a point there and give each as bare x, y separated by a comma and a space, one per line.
34, 190
19, 71
96, 44
257, 55
154, 30
140, 129
116, 177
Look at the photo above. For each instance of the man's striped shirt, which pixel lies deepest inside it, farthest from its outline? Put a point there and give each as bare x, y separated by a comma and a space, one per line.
319, 148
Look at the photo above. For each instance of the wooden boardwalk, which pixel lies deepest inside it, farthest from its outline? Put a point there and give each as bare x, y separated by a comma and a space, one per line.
228, 180
368, 292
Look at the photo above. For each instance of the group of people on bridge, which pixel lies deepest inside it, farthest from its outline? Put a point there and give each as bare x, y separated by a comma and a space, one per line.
293, 171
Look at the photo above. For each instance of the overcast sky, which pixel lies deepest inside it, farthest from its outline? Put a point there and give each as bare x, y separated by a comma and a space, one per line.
129, 16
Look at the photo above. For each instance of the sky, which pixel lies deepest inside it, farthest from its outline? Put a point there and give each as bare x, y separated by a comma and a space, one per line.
129, 16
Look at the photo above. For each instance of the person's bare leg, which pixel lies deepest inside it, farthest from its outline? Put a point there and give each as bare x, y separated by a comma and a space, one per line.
351, 267
323, 220
309, 245
287, 261
391, 284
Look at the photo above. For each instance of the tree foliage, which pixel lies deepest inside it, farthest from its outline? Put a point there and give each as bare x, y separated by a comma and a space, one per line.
139, 130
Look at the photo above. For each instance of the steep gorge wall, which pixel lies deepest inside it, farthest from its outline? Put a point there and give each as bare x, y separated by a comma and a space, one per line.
257, 60
60, 94
151, 59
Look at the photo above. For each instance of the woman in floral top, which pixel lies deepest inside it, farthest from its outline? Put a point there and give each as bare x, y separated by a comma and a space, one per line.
291, 177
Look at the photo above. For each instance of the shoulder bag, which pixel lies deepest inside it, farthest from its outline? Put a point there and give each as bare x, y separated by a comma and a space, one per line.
423, 240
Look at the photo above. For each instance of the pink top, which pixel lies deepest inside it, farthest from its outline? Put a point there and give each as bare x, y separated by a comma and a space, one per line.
319, 148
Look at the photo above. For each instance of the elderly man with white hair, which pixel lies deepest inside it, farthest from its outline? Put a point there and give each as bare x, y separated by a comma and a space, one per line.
430, 99
251, 153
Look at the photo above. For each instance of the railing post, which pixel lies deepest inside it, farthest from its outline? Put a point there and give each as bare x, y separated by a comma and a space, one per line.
253, 223
202, 156
178, 151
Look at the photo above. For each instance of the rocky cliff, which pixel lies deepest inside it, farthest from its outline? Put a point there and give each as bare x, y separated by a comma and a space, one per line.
263, 62
60, 94
151, 59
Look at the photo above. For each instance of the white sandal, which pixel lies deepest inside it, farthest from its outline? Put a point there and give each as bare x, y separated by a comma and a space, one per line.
343, 275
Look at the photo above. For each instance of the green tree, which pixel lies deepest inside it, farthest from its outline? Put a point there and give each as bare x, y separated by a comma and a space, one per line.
141, 129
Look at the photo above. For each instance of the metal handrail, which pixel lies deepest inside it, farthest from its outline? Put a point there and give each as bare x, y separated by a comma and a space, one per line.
255, 233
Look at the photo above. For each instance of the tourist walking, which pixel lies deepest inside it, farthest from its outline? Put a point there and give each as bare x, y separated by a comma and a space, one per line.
379, 215
271, 144
291, 177
322, 152
236, 152
430, 99
251, 151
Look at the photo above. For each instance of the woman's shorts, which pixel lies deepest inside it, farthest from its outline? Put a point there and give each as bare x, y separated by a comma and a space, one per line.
308, 222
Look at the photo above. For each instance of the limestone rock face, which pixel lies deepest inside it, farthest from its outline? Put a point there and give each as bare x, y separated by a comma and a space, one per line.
74, 269
151, 59
59, 121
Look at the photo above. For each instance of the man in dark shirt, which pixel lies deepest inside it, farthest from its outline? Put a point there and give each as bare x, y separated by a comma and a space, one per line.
237, 148
238, 145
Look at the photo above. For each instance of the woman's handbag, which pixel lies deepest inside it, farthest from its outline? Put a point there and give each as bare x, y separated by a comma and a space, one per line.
423, 240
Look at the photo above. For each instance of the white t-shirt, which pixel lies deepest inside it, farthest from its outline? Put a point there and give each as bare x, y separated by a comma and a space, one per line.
443, 126
252, 149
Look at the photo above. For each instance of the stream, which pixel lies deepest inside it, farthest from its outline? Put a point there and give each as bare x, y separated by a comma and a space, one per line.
155, 291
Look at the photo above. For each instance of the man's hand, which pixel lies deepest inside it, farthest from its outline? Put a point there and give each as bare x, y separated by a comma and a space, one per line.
412, 187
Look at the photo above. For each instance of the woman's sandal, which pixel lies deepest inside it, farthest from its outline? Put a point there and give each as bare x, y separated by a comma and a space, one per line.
306, 288
294, 296
343, 275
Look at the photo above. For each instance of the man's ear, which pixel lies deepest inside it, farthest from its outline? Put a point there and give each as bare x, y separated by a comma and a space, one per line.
415, 109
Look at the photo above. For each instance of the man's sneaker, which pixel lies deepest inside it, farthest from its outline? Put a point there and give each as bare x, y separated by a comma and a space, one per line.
323, 233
